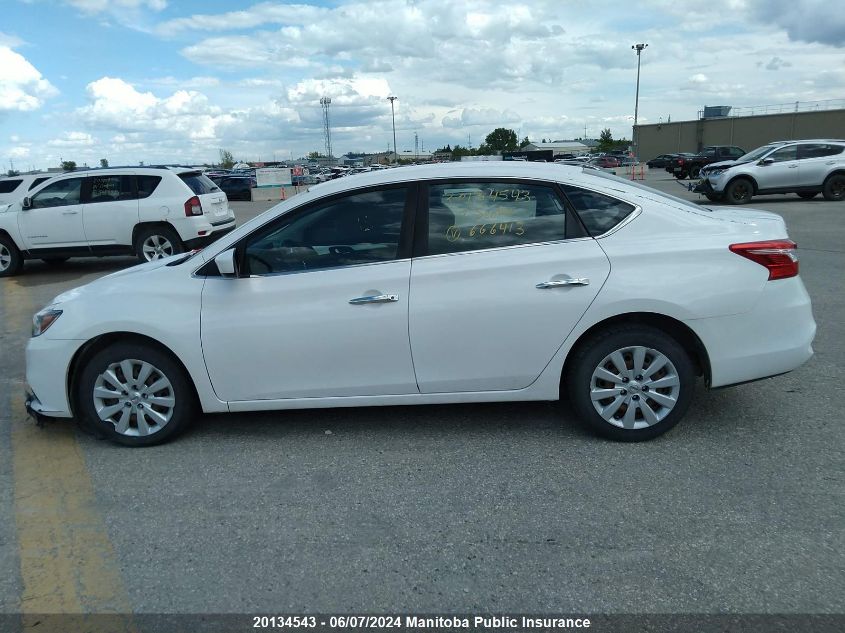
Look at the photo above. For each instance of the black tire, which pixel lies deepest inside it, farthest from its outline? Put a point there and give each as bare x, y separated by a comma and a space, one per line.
147, 239
693, 172
180, 390
54, 261
834, 187
739, 191
714, 197
11, 260
680, 175
587, 358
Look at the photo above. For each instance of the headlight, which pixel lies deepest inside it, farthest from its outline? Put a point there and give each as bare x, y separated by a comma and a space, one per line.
42, 321
715, 172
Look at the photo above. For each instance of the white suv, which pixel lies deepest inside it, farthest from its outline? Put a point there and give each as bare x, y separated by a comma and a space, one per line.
16, 187
805, 167
152, 212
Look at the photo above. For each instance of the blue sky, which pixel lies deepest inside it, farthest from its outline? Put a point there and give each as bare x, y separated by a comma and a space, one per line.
175, 81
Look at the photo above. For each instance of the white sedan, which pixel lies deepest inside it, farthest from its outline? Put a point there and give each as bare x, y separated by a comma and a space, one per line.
472, 282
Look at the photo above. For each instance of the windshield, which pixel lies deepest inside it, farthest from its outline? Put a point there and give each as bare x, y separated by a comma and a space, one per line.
756, 153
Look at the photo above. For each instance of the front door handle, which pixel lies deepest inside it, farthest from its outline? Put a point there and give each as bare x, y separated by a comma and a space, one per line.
69, 212
374, 299
557, 283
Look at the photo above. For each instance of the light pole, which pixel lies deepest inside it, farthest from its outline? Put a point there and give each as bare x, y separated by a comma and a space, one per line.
639, 48
393, 117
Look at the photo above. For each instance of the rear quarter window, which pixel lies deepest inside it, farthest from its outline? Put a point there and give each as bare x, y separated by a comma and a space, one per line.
598, 212
8, 186
147, 185
198, 183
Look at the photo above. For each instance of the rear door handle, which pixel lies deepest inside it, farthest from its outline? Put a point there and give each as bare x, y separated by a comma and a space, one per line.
374, 299
69, 212
557, 283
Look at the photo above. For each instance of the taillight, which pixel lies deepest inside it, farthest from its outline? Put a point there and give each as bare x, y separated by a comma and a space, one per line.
778, 256
193, 207
680, 161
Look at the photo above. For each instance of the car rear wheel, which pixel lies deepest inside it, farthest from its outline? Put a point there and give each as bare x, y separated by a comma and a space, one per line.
630, 383
11, 259
807, 195
693, 173
680, 175
157, 242
134, 395
739, 191
834, 187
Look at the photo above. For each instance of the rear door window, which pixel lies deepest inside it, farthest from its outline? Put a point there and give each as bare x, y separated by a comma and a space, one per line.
111, 188
8, 186
198, 183
469, 216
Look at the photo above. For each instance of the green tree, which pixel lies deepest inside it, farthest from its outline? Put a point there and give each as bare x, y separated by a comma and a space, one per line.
459, 151
104, 162
227, 161
68, 165
525, 142
606, 142
314, 155
499, 140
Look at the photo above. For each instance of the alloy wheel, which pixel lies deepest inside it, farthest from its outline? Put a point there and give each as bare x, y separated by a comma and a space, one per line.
156, 247
5, 258
134, 396
634, 387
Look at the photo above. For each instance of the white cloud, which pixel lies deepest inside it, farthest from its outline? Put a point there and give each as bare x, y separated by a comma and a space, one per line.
73, 140
22, 87
100, 6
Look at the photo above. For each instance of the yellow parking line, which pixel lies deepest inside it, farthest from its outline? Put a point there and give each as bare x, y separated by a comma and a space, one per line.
68, 564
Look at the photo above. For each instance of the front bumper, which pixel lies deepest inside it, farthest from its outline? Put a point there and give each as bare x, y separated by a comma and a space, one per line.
47, 364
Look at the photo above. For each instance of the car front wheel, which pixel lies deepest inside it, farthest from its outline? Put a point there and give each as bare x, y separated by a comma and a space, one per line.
157, 242
739, 191
134, 395
834, 187
630, 383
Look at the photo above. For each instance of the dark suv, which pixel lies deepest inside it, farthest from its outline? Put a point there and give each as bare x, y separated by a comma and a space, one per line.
690, 166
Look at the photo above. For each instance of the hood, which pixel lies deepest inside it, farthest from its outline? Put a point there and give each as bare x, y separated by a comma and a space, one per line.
103, 284
723, 164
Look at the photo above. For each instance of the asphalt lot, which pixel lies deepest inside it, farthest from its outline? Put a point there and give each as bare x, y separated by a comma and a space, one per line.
469, 508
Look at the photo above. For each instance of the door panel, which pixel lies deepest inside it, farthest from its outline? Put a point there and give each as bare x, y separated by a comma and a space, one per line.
298, 336
111, 210
783, 172
478, 322
55, 218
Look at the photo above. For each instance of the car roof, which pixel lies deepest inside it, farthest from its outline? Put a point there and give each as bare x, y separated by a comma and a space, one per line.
474, 169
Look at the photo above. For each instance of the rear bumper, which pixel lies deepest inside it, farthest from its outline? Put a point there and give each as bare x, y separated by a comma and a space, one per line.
204, 240
775, 337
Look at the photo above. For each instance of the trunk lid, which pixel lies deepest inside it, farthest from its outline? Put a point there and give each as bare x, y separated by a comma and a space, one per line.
214, 202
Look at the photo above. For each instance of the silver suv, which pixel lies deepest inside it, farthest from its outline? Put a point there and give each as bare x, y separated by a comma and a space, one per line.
806, 167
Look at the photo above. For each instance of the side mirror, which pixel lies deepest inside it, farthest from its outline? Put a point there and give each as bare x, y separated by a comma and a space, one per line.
226, 263
26, 203
767, 161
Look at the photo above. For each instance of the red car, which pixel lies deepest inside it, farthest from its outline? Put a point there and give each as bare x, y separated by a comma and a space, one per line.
605, 161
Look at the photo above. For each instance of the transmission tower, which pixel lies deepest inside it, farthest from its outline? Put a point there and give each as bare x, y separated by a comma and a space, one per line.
325, 102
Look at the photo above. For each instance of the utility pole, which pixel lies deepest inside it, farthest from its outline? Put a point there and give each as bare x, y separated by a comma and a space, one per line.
639, 48
393, 118
325, 102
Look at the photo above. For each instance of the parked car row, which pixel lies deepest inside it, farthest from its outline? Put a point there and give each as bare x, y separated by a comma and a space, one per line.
147, 211
807, 168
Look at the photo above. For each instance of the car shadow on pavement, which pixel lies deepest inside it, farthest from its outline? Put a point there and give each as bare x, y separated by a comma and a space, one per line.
37, 273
